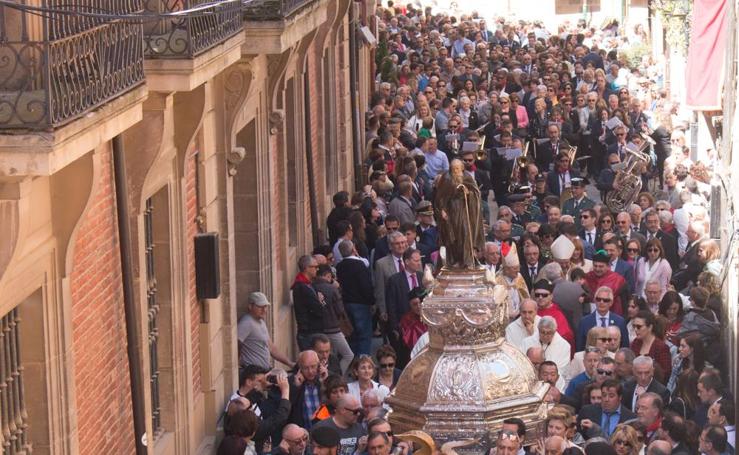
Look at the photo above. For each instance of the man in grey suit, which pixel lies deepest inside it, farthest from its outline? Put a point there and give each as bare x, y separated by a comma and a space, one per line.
403, 205
623, 224
387, 267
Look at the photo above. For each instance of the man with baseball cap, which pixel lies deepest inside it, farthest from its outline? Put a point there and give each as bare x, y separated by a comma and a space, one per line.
579, 201
255, 345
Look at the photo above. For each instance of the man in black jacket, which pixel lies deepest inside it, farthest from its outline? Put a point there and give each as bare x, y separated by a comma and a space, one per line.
341, 211
308, 303
333, 311
397, 302
606, 415
357, 293
669, 241
305, 389
643, 382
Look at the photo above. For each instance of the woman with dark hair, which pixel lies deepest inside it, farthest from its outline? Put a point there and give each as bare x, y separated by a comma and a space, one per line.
685, 397
647, 343
605, 223
671, 309
691, 355
356, 219
372, 221
634, 306
652, 267
387, 374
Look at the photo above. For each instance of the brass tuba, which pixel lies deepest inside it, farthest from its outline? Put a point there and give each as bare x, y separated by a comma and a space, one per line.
628, 179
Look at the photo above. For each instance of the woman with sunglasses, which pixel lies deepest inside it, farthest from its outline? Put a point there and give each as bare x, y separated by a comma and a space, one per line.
625, 440
388, 374
605, 223
364, 370
522, 117
633, 307
632, 252
654, 266
597, 338
648, 343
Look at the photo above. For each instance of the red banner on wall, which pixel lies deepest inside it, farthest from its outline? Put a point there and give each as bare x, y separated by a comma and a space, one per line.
706, 55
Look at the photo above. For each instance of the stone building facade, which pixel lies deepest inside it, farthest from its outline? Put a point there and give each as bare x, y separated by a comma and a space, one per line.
244, 131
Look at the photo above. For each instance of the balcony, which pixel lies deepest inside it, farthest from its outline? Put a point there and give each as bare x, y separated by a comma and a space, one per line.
274, 26
184, 52
271, 10
189, 36
55, 69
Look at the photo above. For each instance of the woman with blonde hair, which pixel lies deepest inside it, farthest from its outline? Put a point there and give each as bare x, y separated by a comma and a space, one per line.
625, 440
561, 422
598, 338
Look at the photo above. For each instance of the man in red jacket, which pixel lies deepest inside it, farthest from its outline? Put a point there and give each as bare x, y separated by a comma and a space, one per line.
602, 275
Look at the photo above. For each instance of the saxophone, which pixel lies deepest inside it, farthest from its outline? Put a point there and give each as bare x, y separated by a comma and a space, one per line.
628, 179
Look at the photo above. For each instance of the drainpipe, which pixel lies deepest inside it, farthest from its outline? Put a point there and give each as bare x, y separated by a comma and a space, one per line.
356, 127
132, 339
309, 160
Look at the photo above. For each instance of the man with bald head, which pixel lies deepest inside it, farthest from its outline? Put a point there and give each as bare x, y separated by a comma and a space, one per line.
659, 447
305, 388
554, 445
294, 441
524, 326
345, 420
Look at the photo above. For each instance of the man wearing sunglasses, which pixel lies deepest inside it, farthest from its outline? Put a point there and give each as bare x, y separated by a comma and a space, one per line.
345, 421
601, 317
602, 275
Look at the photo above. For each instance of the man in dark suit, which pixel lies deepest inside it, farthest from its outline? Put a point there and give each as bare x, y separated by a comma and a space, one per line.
589, 233
669, 241
607, 415
614, 247
601, 317
619, 147
579, 201
532, 264
396, 300
690, 266
547, 152
623, 225
560, 180
426, 231
643, 382
382, 247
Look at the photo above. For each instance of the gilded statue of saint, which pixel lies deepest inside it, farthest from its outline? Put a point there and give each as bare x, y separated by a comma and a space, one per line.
458, 214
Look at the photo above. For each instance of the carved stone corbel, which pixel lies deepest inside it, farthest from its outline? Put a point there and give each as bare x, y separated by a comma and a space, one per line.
234, 157
276, 121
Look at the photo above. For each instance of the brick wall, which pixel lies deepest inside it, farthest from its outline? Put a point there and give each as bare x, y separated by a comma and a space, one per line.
191, 213
104, 412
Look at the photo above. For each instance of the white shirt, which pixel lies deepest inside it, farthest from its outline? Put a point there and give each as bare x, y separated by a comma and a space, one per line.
599, 319
516, 332
558, 351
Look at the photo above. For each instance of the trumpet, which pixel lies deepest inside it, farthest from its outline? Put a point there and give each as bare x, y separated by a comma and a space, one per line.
519, 167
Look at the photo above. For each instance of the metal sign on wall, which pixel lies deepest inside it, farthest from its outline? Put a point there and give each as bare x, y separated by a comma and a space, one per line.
575, 6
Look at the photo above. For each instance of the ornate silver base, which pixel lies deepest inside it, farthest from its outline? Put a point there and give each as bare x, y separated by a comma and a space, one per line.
468, 380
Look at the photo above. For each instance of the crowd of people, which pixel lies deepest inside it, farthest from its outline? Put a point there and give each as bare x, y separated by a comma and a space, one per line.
619, 311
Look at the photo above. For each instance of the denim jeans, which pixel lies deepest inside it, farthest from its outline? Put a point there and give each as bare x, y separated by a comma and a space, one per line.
361, 318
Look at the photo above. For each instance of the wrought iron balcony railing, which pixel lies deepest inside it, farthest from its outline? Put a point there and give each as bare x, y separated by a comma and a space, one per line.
272, 10
57, 67
188, 36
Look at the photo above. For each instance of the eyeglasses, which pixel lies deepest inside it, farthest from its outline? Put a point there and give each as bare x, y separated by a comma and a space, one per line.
653, 250
633, 250
356, 412
621, 442
585, 217
603, 299
606, 221
605, 340
604, 372
387, 365
541, 295
297, 441
504, 102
